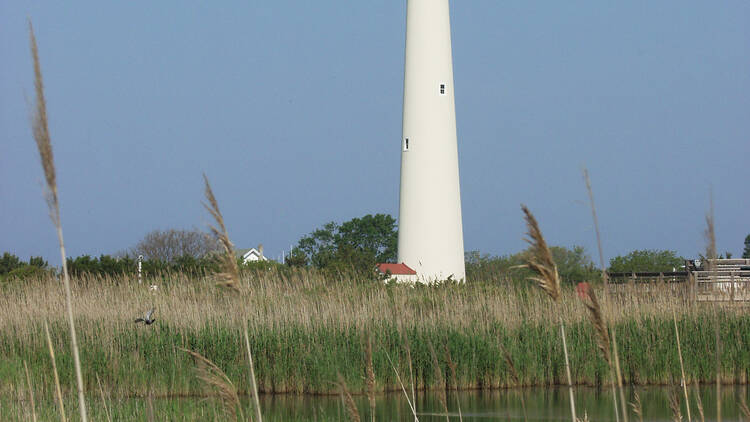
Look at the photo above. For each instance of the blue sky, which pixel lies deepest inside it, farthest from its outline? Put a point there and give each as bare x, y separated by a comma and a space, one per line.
293, 110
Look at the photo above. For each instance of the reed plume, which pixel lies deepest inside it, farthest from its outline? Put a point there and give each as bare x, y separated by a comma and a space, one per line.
40, 130
710, 235
351, 407
600, 327
605, 279
216, 380
674, 405
637, 407
540, 261
230, 275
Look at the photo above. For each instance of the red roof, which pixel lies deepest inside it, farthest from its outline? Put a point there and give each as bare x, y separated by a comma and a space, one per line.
396, 269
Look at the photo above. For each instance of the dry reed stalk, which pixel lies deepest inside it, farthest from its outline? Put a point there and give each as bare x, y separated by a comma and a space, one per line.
540, 258
58, 391
744, 408
351, 407
600, 327
682, 366
40, 129
710, 235
454, 380
699, 402
405, 338
104, 400
718, 366
514, 375
602, 341
150, 407
230, 275
253, 382
31, 391
438, 374
398, 377
215, 379
590, 191
637, 407
541, 262
370, 380
618, 372
605, 279
674, 405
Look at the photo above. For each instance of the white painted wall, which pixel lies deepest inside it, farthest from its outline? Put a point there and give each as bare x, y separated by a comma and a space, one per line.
430, 228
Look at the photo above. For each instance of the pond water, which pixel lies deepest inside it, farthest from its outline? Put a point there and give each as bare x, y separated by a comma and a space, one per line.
534, 404
540, 404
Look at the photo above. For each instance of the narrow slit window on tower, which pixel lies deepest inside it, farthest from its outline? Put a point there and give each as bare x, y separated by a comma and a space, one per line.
406, 144
442, 89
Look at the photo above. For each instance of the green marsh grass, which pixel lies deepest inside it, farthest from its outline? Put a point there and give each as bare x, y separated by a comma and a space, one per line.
304, 329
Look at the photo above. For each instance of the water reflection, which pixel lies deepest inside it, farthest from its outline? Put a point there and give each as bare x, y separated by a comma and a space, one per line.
541, 404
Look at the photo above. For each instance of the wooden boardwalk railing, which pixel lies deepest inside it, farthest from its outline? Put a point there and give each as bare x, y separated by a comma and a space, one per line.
721, 286
720, 280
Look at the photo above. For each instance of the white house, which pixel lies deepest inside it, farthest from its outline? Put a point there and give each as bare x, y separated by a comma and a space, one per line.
253, 255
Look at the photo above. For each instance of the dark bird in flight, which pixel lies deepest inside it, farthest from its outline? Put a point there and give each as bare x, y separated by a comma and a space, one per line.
147, 318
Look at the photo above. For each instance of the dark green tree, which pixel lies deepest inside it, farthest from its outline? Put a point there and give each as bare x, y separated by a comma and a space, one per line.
9, 262
574, 265
297, 258
372, 234
746, 253
357, 244
320, 247
38, 261
646, 261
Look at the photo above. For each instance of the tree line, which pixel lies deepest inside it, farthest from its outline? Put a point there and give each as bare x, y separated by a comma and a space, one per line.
353, 247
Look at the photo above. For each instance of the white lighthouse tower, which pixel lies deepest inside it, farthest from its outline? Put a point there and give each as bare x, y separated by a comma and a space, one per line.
430, 237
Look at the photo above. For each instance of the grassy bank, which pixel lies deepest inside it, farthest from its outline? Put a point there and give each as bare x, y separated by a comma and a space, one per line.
305, 329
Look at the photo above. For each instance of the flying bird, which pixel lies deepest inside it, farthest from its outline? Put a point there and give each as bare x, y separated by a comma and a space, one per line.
147, 318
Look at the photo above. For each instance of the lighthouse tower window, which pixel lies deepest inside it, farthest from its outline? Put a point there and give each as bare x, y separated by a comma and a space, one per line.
406, 144
442, 89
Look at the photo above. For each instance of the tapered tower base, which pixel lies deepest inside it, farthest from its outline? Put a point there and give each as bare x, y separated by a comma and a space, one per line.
430, 237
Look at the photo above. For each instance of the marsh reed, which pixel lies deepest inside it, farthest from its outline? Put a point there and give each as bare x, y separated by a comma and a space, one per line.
540, 261
40, 130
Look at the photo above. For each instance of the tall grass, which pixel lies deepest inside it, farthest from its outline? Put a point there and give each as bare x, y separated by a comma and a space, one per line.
303, 328
40, 129
599, 322
541, 263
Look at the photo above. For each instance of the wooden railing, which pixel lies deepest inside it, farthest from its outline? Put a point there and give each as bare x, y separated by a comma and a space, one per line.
722, 285
729, 282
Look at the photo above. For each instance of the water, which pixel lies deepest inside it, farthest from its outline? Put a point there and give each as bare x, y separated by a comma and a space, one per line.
541, 404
